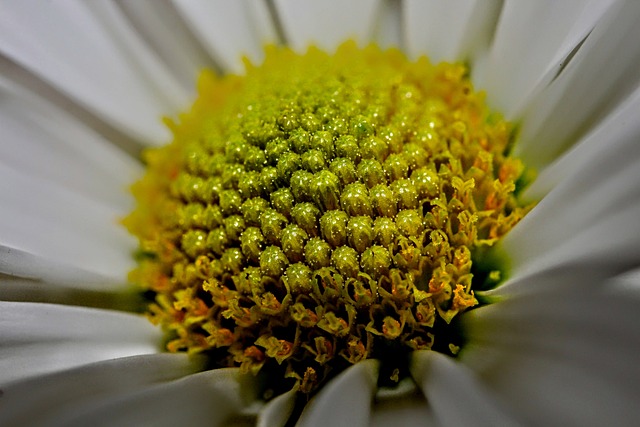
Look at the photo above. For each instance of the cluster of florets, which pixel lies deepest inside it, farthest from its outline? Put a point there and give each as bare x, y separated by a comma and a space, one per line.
325, 211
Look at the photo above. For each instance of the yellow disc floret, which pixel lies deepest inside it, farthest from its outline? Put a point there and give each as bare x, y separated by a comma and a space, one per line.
323, 209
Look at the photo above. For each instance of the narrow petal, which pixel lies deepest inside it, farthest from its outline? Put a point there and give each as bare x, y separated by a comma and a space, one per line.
606, 185
93, 293
327, 23
574, 354
36, 401
628, 282
589, 199
388, 29
610, 147
604, 72
454, 393
43, 141
606, 247
40, 338
19, 264
276, 413
49, 221
403, 405
179, 49
67, 45
158, 79
411, 410
211, 398
345, 400
230, 30
448, 31
523, 58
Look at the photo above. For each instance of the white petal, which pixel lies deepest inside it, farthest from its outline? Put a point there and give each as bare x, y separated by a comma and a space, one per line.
327, 23
35, 402
230, 29
403, 405
628, 282
410, 410
599, 190
611, 146
602, 74
69, 290
561, 358
388, 29
604, 247
448, 30
39, 338
42, 141
455, 395
18, 264
139, 55
532, 40
63, 227
178, 47
345, 400
590, 206
211, 398
67, 45
276, 413
15, 78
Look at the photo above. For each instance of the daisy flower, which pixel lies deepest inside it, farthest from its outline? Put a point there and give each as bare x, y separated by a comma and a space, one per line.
549, 334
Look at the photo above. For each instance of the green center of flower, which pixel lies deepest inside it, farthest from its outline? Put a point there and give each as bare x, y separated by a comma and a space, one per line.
321, 210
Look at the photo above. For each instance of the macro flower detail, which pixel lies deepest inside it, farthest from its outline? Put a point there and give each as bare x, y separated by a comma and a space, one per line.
392, 254
322, 210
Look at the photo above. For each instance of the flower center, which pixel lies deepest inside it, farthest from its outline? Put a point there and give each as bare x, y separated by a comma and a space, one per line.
324, 209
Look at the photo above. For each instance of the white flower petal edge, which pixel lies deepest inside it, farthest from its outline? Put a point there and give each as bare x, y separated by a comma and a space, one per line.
561, 357
64, 188
612, 145
75, 35
608, 247
154, 75
327, 23
37, 401
345, 400
403, 411
42, 338
604, 71
208, 399
43, 141
47, 220
590, 208
179, 49
523, 57
627, 283
277, 411
448, 30
22, 272
388, 28
454, 394
228, 28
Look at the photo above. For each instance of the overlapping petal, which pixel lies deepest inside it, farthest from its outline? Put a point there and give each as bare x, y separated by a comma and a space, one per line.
59, 43
211, 398
346, 400
39, 400
571, 351
455, 395
42, 338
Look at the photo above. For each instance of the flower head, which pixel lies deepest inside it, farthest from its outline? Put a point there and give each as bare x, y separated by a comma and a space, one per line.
556, 341
324, 210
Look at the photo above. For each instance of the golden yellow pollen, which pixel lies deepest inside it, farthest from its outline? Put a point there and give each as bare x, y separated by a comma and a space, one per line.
323, 209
